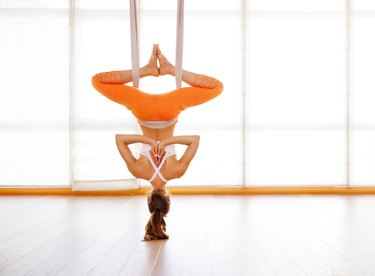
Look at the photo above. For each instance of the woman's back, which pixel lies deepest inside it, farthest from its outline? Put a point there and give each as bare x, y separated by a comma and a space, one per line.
157, 162
155, 171
158, 134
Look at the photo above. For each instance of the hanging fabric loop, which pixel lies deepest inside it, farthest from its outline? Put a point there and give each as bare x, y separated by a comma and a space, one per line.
134, 42
179, 42
135, 46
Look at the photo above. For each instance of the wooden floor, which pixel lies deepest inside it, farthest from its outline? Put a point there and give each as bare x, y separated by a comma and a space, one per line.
209, 235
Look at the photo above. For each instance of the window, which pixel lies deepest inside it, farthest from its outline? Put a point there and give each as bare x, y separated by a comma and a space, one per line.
296, 101
363, 87
296, 107
34, 93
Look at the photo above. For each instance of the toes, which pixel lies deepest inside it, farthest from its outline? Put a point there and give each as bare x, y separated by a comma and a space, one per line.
154, 50
155, 47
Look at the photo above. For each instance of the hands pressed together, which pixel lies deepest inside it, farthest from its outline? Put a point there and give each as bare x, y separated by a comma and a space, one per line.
158, 65
157, 151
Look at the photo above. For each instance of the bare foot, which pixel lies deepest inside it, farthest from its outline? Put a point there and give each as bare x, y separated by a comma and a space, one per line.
165, 67
151, 69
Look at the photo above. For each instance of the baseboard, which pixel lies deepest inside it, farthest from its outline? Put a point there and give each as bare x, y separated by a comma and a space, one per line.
193, 191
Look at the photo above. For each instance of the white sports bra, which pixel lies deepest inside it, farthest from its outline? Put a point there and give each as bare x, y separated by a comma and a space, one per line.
157, 124
170, 151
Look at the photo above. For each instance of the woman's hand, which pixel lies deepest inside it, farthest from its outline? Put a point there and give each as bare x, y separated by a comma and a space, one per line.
160, 152
161, 148
154, 152
154, 146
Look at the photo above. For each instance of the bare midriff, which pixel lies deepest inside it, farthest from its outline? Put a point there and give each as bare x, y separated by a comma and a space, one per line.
158, 134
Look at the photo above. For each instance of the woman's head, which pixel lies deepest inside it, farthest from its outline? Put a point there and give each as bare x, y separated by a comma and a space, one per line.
158, 205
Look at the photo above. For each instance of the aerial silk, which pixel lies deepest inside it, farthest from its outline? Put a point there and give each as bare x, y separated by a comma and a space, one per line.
135, 46
156, 107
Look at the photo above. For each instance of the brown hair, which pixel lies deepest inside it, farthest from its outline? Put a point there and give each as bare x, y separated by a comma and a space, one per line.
158, 205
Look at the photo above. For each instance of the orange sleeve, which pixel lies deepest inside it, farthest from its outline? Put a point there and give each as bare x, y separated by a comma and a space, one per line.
111, 85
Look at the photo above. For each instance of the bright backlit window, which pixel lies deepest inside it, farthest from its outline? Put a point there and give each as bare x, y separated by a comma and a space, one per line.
296, 108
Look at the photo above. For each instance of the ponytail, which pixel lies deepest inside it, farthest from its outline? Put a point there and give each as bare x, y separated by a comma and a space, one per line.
156, 227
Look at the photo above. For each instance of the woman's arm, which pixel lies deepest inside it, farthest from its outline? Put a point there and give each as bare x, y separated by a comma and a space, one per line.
122, 142
192, 143
129, 139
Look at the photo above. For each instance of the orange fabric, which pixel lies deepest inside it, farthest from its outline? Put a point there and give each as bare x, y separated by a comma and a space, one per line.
156, 107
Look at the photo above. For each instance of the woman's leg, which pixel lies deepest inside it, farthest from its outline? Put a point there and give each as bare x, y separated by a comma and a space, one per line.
111, 84
193, 79
125, 76
203, 88
165, 106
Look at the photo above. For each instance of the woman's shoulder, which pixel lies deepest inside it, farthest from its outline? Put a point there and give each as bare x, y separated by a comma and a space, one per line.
173, 168
141, 168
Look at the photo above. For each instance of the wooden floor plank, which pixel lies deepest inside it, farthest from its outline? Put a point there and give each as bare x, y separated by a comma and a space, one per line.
115, 259
269, 235
46, 224
35, 251
90, 230
17, 226
142, 261
316, 222
110, 230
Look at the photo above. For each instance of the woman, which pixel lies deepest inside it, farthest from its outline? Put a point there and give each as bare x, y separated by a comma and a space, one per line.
157, 116
157, 164
157, 113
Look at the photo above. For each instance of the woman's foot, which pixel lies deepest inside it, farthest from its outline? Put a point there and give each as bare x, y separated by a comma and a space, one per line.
165, 67
151, 69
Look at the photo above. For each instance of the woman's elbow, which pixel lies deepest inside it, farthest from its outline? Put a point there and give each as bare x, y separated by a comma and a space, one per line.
119, 138
196, 138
